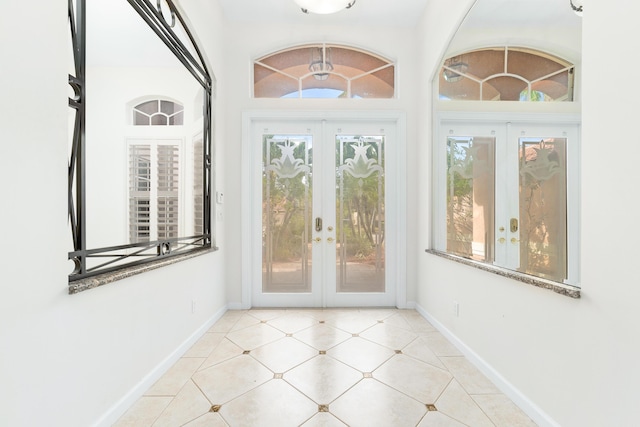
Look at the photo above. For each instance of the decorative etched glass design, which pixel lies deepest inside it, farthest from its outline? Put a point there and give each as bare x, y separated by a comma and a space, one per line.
286, 217
360, 213
470, 197
543, 207
506, 74
323, 71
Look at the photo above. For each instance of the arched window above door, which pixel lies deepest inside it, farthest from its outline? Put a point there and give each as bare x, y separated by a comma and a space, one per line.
323, 71
158, 112
506, 74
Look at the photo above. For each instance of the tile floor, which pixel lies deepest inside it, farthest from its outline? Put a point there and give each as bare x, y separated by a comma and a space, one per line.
346, 367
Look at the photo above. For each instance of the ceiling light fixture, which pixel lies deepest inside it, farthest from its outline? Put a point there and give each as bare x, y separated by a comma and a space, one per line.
576, 5
454, 68
324, 7
321, 64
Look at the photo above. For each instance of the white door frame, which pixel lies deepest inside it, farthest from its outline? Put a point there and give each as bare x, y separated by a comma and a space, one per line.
396, 199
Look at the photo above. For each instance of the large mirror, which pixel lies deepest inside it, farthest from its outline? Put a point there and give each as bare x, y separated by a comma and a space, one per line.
142, 175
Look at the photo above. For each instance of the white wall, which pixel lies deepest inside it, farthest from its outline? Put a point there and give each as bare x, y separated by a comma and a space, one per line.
248, 42
67, 360
576, 360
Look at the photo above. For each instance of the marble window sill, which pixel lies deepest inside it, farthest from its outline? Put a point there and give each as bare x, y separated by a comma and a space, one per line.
559, 288
82, 285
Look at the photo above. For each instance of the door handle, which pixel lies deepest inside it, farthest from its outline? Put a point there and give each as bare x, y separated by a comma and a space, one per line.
330, 239
317, 240
318, 224
513, 225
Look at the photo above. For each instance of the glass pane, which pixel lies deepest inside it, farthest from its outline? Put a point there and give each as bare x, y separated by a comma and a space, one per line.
271, 84
456, 87
470, 197
286, 215
543, 207
507, 88
557, 87
531, 66
324, 85
351, 63
360, 213
375, 85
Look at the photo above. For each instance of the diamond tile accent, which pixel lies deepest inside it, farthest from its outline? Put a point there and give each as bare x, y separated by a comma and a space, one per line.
255, 336
417, 379
323, 367
230, 379
252, 409
323, 379
371, 403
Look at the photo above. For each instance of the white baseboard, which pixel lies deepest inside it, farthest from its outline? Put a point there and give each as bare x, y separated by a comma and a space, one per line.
120, 407
236, 306
529, 407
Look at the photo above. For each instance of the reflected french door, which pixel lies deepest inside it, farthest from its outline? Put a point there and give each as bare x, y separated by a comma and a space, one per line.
323, 214
507, 199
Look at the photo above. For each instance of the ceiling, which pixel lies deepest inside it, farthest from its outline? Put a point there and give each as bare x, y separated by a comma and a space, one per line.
396, 13
403, 13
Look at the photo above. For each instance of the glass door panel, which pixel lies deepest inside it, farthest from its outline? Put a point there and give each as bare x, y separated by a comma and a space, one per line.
471, 196
287, 191
360, 213
543, 207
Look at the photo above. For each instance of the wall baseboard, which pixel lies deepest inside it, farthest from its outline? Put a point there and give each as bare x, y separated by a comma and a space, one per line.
236, 306
121, 406
528, 407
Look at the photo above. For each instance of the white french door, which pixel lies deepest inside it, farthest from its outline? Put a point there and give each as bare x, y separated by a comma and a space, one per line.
320, 213
507, 200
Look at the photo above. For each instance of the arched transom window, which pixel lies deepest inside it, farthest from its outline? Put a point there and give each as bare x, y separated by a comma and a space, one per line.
158, 112
506, 74
323, 71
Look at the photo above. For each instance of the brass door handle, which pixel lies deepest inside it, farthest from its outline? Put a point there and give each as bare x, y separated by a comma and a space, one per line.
330, 239
317, 240
514, 240
502, 240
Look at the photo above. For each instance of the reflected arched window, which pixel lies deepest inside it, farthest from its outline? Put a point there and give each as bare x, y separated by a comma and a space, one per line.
158, 112
323, 71
506, 74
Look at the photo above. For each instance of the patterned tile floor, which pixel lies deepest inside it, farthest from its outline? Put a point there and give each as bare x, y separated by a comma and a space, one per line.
332, 367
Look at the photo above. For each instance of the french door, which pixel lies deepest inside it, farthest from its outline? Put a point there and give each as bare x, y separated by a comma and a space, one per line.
506, 196
320, 205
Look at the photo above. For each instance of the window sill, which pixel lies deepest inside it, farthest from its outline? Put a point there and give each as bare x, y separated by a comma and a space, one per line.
559, 288
82, 285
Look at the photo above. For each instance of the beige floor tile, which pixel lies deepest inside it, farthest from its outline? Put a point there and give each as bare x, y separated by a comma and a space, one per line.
323, 379
144, 412
205, 345
322, 336
266, 314
419, 349
439, 344
188, 405
398, 321
274, 404
284, 354
227, 321
418, 323
210, 419
292, 322
244, 322
353, 322
224, 351
371, 403
438, 419
326, 314
389, 336
255, 336
324, 419
361, 354
457, 404
423, 382
502, 411
471, 379
228, 380
176, 377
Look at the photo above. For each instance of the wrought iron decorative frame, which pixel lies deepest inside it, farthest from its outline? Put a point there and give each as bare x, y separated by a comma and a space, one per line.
118, 257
